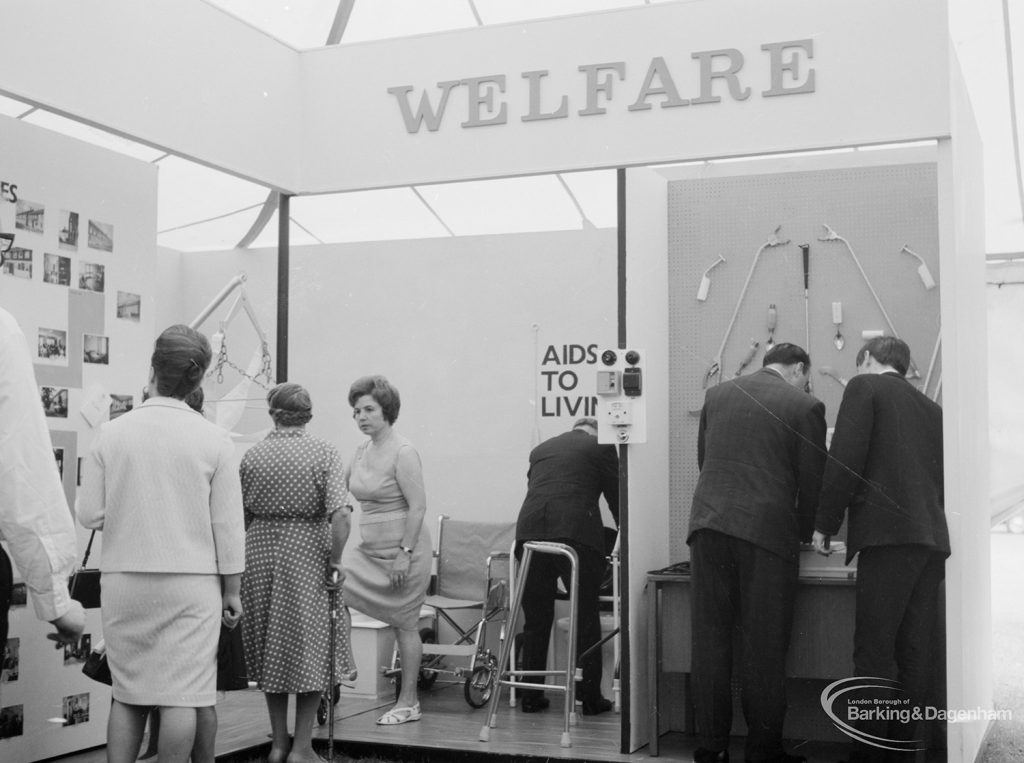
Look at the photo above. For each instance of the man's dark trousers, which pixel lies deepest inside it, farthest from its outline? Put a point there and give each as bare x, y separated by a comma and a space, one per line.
539, 593
897, 607
737, 585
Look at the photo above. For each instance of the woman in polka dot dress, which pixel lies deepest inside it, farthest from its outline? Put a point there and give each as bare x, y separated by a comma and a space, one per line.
293, 491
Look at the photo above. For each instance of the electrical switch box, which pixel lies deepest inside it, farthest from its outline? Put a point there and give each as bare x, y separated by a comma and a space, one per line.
608, 383
621, 405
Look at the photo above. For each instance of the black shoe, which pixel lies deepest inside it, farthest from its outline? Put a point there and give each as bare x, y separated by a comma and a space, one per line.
596, 706
702, 755
535, 704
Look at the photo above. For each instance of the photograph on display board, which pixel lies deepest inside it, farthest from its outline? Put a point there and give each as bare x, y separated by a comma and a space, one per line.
12, 661
120, 405
76, 709
18, 263
76, 653
53, 346
129, 306
58, 455
12, 721
90, 276
101, 236
28, 216
19, 595
96, 348
68, 236
56, 269
55, 401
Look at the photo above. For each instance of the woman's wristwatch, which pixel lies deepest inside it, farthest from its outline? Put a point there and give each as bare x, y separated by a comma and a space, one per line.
406, 549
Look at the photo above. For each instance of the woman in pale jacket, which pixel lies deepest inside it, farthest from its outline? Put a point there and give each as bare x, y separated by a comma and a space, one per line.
162, 485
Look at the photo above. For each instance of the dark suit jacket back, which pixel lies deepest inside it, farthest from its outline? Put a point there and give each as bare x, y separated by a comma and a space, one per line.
567, 476
885, 464
761, 451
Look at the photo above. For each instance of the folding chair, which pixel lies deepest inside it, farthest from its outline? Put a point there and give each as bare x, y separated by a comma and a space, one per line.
471, 581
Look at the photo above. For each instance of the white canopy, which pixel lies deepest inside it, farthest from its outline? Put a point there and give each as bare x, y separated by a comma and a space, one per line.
203, 209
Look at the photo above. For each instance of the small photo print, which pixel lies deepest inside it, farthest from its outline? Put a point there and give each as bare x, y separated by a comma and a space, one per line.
77, 652
76, 709
90, 276
58, 454
101, 236
28, 215
19, 595
12, 721
56, 269
12, 661
120, 405
18, 262
55, 401
128, 305
53, 346
68, 236
96, 349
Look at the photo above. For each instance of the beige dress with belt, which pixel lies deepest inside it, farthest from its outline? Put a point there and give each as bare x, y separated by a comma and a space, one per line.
373, 482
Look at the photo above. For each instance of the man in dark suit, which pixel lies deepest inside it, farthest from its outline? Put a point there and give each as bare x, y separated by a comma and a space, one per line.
568, 475
761, 452
885, 466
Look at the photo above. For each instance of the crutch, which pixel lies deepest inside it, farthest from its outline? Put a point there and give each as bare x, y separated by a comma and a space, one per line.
332, 595
714, 371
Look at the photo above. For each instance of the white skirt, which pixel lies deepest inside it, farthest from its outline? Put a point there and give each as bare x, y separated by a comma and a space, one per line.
161, 632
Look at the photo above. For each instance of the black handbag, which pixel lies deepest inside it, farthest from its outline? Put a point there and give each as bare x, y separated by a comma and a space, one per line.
84, 585
231, 672
97, 668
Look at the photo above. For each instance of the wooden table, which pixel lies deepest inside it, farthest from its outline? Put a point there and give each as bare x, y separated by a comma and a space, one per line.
821, 645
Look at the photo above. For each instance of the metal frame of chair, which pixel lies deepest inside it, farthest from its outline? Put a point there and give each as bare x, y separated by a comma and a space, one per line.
478, 662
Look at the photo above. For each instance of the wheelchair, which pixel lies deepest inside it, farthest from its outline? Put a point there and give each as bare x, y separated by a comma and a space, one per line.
468, 601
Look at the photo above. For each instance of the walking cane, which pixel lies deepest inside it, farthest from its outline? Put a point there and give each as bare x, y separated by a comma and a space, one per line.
332, 595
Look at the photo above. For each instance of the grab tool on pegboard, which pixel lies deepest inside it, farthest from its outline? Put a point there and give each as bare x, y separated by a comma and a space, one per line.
832, 374
751, 352
922, 269
773, 319
837, 318
831, 235
705, 280
715, 369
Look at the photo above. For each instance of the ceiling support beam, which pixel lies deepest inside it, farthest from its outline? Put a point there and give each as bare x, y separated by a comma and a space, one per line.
341, 17
430, 209
283, 269
267, 211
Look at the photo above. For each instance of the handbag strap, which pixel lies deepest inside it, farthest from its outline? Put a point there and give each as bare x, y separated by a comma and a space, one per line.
88, 548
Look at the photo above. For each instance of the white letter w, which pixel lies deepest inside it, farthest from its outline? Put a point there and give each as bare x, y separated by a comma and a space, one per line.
426, 113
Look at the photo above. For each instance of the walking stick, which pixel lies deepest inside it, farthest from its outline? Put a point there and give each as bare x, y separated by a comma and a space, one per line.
332, 596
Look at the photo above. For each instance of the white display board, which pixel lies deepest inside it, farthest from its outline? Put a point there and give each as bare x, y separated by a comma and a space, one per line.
81, 287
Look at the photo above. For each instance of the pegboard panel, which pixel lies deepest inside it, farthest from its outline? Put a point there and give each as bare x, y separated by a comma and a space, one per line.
875, 258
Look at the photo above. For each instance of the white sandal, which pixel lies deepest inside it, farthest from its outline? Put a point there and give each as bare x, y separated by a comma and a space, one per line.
398, 715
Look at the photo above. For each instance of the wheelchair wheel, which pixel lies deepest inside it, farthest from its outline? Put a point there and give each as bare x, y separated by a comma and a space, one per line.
323, 709
481, 682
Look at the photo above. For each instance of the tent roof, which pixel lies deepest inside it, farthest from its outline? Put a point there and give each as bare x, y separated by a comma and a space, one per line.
201, 209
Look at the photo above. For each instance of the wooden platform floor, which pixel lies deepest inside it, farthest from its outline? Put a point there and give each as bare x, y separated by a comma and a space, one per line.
449, 724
